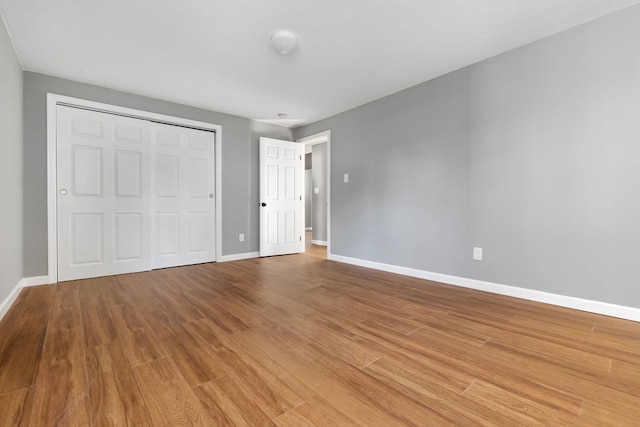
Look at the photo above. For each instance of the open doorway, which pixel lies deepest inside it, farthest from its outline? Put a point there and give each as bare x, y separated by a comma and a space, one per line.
317, 193
316, 251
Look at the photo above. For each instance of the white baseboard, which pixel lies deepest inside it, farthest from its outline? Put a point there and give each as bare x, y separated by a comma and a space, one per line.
36, 280
29, 281
6, 304
623, 312
238, 257
319, 242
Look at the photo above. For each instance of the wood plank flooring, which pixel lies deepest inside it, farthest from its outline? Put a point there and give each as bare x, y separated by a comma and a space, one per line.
301, 341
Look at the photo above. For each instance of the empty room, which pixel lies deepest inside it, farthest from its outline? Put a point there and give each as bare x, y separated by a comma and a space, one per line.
319, 213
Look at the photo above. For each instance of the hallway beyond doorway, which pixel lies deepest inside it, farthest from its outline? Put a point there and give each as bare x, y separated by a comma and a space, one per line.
314, 250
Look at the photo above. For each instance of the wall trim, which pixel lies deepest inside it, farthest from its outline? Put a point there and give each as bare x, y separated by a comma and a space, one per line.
238, 257
319, 242
13, 295
52, 101
598, 307
10, 299
319, 138
35, 281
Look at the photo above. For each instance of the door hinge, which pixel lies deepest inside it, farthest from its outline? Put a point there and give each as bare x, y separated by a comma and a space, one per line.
301, 238
300, 156
300, 197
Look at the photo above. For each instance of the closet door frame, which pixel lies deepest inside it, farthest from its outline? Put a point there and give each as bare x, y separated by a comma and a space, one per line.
52, 186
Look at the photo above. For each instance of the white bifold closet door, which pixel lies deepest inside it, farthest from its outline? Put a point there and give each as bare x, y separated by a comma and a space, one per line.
132, 195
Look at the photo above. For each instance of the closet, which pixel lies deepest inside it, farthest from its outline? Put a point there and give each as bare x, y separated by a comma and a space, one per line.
132, 194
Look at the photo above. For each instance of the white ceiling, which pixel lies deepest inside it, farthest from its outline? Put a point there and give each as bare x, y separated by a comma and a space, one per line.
215, 54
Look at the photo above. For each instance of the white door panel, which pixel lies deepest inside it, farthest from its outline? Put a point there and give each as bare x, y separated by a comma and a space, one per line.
281, 192
167, 232
86, 236
197, 170
166, 175
103, 214
289, 226
86, 172
197, 222
128, 174
183, 211
128, 239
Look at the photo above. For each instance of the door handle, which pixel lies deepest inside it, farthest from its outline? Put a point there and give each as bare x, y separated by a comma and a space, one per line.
263, 204
63, 192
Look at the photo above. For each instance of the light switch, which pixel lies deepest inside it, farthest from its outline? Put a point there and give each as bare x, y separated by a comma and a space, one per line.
346, 178
316, 190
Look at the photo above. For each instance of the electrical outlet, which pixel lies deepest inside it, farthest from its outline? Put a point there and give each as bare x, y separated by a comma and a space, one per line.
241, 237
477, 254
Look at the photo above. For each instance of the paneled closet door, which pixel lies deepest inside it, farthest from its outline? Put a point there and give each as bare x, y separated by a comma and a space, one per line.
183, 202
103, 172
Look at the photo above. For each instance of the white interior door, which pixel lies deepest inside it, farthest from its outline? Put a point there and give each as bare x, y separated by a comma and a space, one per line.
281, 204
103, 208
183, 196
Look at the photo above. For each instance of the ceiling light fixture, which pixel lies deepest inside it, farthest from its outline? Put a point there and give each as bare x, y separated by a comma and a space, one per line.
284, 41
282, 115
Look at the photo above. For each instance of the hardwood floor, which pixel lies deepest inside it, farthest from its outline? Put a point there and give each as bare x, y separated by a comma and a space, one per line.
301, 341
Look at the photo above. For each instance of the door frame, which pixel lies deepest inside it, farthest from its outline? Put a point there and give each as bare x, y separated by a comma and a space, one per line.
319, 138
52, 169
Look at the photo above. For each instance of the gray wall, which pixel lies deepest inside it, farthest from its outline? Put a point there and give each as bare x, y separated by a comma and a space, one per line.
319, 201
239, 162
11, 191
533, 155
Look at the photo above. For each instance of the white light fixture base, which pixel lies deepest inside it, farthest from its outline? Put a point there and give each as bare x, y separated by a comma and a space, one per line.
284, 41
